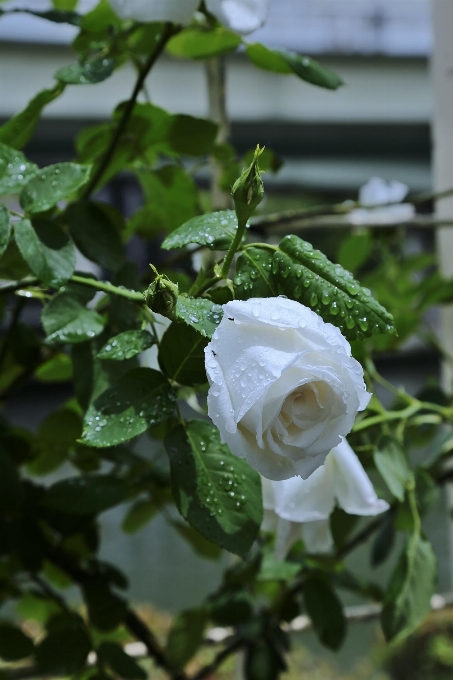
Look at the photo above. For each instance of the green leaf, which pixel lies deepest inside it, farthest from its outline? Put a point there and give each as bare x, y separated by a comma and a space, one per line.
282, 61
191, 136
184, 638
138, 516
111, 654
277, 570
201, 314
106, 609
139, 400
384, 541
126, 345
5, 229
254, 277
14, 644
181, 355
262, 662
200, 545
56, 435
65, 649
19, 129
326, 612
47, 250
306, 275
171, 199
87, 72
408, 597
95, 234
393, 466
86, 495
53, 184
355, 251
56, 369
58, 17
11, 491
65, 319
214, 230
15, 170
198, 43
204, 473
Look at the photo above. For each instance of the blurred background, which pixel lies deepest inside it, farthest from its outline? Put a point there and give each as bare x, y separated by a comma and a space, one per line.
330, 143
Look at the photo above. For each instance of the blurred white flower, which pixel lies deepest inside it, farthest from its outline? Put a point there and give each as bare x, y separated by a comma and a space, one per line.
243, 16
300, 508
377, 192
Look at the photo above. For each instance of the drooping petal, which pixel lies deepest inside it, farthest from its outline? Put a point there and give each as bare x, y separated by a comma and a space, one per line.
243, 16
287, 534
176, 11
317, 536
377, 191
352, 486
306, 500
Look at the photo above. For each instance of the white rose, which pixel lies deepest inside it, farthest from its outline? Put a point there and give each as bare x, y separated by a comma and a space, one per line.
284, 388
298, 508
243, 16
378, 192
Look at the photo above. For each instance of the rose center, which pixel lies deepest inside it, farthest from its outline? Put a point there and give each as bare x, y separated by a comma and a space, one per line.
304, 406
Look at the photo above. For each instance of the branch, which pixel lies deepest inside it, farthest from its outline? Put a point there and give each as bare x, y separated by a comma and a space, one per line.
167, 32
207, 671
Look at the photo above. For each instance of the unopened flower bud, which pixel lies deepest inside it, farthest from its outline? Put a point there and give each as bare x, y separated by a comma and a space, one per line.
162, 295
248, 189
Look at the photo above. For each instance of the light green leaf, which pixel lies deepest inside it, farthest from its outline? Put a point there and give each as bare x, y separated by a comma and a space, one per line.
126, 345
214, 230
392, 463
5, 229
86, 495
408, 597
199, 43
184, 638
282, 61
216, 492
57, 369
254, 277
181, 355
87, 72
306, 275
95, 233
326, 612
47, 250
14, 644
138, 516
65, 319
137, 401
201, 314
15, 170
53, 184
19, 129
277, 570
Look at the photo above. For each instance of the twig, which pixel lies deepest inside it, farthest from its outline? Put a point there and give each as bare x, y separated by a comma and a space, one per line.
167, 32
216, 77
218, 660
298, 222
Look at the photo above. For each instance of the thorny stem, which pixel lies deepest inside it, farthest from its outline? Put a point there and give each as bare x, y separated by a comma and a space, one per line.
233, 249
167, 32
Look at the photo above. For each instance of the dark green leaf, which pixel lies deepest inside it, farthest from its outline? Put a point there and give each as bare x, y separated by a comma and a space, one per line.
214, 230
191, 136
65, 319
15, 170
10, 487
254, 277
56, 435
204, 474
106, 609
198, 43
95, 234
306, 275
408, 597
200, 545
201, 314
184, 638
126, 345
86, 495
139, 400
14, 644
111, 654
282, 61
138, 516
231, 609
65, 649
355, 251
262, 662
5, 229
171, 199
181, 355
19, 129
326, 612
51, 185
87, 72
384, 541
47, 250
392, 463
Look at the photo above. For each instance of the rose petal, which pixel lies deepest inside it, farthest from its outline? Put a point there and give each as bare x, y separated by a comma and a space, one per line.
306, 500
177, 11
243, 16
317, 537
